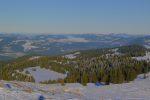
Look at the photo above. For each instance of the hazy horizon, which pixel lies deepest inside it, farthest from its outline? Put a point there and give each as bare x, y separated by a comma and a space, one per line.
75, 17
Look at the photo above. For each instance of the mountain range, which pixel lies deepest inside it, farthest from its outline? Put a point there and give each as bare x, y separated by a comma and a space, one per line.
13, 45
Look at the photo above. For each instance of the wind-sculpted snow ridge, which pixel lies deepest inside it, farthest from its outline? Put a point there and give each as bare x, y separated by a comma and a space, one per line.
135, 90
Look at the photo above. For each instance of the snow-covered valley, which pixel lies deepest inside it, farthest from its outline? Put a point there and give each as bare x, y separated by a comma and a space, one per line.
139, 89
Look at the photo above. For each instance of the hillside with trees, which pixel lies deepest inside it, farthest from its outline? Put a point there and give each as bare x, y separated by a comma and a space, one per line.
97, 65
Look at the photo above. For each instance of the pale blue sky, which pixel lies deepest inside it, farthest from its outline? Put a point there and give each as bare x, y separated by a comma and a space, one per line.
75, 16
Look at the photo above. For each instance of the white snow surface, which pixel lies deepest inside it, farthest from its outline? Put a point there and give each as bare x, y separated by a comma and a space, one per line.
72, 56
115, 51
147, 46
34, 57
135, 90
146, 57
41, 74
28, 46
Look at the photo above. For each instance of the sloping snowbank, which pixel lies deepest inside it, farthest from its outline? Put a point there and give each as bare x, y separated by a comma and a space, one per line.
135, 90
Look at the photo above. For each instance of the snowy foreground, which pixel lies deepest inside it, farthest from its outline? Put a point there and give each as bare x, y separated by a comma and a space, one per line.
136, 90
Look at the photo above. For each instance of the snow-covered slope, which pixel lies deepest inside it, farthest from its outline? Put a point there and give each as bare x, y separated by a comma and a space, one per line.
41, 74
135, 90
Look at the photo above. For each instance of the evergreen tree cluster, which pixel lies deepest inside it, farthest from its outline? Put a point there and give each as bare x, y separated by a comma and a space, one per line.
99, 65
107, 69
133, 50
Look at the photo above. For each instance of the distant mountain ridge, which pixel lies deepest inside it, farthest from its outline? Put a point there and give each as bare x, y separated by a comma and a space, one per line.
16, 45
